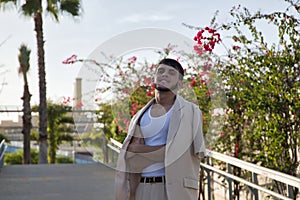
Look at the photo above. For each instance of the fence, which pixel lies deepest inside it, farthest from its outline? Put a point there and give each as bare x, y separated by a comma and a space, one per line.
257, 190
258, 174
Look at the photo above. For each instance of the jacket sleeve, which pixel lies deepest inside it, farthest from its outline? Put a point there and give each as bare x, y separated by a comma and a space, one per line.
198, 142
123, 179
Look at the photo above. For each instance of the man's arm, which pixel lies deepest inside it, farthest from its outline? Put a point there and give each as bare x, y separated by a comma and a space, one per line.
137, 146
139, 155
153, 153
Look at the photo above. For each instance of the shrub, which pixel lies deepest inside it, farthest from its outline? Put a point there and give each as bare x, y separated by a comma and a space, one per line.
16, 158
64, 159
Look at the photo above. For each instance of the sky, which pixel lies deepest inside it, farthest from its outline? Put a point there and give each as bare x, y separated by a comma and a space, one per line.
100, 21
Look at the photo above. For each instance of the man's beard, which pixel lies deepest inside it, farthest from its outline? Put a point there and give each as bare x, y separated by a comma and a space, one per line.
165, 89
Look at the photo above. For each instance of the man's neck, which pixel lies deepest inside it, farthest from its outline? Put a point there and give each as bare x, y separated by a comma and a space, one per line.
165, 98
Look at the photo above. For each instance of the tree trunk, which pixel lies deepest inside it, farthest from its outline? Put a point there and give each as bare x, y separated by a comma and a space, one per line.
52, 146
43, 135
26, 124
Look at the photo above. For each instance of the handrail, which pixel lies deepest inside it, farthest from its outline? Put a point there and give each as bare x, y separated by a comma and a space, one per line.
289, 180
275, 175
241, 180
255, 170
2, 152
116, 143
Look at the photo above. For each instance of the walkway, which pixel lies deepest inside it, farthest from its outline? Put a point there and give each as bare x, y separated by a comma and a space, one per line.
57, 182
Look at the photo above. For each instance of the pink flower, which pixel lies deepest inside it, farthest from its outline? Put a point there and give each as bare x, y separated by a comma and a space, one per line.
138, 82
209, 92
208, 41
149, 93
152, 87
235, 47
152, 66
199, 50
120, 128
125, 121
134, 106
70, 60
132, 60
207, 66
125, 90
79, 105
66, 100
193, 83
147, 81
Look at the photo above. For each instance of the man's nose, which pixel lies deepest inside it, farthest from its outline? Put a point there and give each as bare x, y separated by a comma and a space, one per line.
165, 73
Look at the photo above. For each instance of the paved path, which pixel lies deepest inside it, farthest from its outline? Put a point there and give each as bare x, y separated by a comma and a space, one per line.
57, 182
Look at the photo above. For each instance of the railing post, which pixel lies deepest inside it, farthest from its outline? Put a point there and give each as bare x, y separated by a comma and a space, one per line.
208, 179
290, 191
2, 151
228, 167
253, 190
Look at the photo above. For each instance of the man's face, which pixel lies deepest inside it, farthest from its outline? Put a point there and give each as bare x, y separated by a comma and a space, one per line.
167, 78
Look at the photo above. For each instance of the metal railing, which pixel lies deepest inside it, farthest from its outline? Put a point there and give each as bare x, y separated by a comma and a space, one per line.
256, 171
2, 152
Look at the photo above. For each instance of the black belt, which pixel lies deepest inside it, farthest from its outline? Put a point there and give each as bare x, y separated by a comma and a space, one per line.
154, 179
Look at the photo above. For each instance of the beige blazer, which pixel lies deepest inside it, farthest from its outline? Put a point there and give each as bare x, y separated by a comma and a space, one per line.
184, 149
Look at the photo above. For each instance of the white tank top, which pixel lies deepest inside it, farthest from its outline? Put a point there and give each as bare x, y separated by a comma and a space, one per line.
155, 132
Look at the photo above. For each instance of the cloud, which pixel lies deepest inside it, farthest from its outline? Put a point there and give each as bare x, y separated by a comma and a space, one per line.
138, 18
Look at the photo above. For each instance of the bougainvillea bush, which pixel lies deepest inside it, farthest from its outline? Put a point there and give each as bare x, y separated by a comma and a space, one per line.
130, 86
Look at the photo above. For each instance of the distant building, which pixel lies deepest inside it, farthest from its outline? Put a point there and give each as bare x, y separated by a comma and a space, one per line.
13, 130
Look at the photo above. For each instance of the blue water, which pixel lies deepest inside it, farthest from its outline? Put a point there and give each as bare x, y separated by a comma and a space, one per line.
12, 149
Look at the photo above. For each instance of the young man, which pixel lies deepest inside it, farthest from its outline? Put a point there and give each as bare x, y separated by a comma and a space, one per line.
161, 154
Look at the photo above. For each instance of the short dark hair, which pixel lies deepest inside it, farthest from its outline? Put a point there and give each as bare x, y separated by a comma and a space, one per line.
173, 63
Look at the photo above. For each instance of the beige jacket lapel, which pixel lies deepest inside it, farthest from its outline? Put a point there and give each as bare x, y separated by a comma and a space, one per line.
176, 116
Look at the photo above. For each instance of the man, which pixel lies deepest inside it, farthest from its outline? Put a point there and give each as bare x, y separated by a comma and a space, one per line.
160, 157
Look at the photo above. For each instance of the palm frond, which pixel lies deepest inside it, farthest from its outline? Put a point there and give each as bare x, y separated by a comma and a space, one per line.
52, 8
4, 4
71, 6
24, 58
30, 7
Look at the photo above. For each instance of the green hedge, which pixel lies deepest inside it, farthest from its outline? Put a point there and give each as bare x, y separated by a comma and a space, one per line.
16, 158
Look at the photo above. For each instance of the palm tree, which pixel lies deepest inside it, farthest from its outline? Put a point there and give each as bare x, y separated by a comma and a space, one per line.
34, 9
24, 57
60, 126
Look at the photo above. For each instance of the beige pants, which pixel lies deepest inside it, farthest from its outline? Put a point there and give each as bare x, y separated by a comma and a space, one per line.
151, 191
